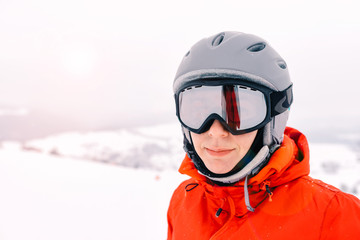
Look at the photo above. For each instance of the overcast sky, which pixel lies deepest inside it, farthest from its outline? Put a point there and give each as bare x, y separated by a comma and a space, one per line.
113, 62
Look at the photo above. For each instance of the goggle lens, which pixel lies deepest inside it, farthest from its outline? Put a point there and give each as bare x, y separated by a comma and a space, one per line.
240, 107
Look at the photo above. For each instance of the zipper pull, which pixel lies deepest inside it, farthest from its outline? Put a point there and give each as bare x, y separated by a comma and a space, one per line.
218, 212
266, 187
269, 192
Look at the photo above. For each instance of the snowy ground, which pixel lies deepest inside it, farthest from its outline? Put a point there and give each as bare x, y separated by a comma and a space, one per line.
60, 187
47, 197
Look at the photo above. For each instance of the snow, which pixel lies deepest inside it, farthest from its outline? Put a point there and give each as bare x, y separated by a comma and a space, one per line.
336, 164
87, 186
156, 147
49, 197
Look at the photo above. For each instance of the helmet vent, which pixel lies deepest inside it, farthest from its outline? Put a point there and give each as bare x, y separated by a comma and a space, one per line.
257, 47
282, 64
187, 54
218, 39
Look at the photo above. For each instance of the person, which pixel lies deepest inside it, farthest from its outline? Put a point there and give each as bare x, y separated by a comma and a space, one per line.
249, 171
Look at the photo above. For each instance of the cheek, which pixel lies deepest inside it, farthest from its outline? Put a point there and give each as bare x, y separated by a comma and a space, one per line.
197, 140
245, 141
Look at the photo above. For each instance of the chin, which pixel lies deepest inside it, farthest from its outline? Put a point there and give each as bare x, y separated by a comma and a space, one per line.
218, 170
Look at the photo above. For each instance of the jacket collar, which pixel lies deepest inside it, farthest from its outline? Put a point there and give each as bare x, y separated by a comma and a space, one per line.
289, 162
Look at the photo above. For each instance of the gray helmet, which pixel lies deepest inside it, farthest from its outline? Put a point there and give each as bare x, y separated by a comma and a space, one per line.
240, 56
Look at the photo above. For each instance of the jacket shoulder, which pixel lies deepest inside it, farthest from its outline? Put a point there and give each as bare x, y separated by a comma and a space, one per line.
342, 217
323, 190
305, 194
340, 211
332, 191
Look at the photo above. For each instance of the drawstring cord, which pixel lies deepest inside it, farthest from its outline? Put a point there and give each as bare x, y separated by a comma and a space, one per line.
265, 187
247, 198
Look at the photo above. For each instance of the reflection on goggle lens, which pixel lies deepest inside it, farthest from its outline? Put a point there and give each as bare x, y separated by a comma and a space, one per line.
239, 107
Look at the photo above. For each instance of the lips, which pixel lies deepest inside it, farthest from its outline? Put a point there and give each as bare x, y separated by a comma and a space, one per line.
218, 152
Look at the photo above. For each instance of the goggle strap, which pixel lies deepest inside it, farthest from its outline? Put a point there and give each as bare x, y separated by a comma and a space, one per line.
281, 101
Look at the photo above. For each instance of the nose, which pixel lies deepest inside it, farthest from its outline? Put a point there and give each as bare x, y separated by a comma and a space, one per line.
217, 130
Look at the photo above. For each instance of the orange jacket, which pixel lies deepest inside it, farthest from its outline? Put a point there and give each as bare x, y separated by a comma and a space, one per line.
296, 207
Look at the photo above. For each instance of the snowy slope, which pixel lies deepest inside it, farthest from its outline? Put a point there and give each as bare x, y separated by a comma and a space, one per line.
59, 187
47, 197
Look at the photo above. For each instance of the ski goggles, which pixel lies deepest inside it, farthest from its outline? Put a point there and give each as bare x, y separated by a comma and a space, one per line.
241, 108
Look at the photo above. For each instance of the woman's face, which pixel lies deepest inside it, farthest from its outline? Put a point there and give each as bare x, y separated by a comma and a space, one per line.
219, 149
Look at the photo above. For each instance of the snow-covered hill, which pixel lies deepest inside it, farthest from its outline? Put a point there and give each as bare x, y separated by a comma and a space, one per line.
160, 148
156, 147
114, 184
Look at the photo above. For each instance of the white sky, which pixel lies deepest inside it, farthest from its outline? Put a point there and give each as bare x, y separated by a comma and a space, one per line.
107, 62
